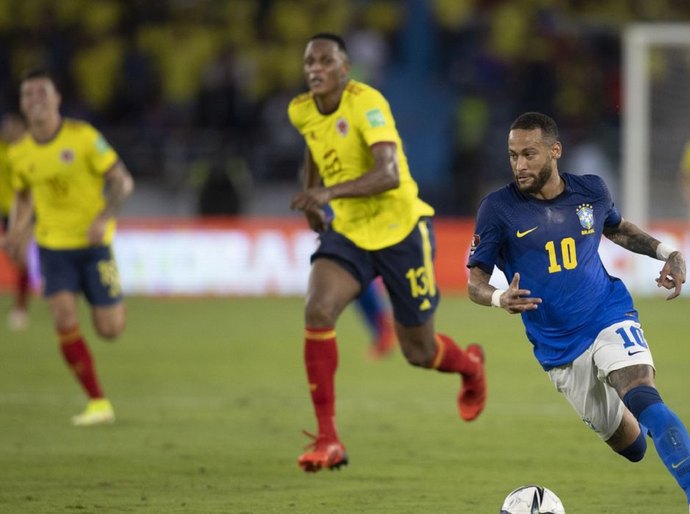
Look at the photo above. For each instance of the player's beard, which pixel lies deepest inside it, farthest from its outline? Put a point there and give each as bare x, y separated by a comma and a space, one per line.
540, 181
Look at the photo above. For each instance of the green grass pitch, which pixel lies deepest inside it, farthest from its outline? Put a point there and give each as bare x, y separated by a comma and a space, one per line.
211, 398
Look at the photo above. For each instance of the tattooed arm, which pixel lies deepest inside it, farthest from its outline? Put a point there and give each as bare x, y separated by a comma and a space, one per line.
633, 238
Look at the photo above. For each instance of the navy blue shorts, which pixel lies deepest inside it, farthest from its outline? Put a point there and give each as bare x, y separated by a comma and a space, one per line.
407, 269
91, 271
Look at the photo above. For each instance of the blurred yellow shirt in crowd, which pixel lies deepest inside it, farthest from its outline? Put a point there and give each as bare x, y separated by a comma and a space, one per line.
6, 191
66, 179
340, 146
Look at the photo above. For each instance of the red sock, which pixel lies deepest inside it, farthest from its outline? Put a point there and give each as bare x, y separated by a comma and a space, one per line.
78, 357
450, 358
321, 361
22, 288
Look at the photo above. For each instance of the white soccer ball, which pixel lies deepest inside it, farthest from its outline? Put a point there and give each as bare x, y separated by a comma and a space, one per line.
532, 499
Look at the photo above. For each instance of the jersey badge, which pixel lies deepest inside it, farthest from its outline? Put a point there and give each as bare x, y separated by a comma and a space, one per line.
375, 118
343, 126
524, 233
67, 156
102, 145
475, 244
585, 214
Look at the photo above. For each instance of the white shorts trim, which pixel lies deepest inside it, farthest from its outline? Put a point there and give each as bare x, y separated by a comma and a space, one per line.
584, 384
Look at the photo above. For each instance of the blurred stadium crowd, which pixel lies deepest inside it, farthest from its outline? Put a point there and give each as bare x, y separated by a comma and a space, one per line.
193, 93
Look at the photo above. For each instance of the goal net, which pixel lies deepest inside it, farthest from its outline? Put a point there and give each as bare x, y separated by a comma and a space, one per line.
656, 119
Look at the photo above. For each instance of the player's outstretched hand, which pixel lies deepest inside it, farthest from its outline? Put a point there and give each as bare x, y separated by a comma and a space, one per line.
516, 300
672, 275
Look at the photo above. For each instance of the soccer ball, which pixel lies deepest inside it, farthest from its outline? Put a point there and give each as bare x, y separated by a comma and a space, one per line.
532, 499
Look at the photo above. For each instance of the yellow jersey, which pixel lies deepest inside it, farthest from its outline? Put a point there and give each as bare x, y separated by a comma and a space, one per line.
66, 178
340, 144
6, 191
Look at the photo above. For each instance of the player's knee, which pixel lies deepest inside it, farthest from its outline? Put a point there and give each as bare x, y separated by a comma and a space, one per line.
635, 452
417, 353
319, 315
417, 360
641, 397
110, 329
109, 322
109, 333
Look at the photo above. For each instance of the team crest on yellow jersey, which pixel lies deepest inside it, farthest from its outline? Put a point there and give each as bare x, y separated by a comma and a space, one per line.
342, 126
67, 156
585, 214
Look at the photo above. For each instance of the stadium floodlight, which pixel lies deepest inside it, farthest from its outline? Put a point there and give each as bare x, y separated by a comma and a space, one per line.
656, 118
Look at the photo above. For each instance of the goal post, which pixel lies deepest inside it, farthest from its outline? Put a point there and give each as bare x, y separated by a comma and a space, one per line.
656, 118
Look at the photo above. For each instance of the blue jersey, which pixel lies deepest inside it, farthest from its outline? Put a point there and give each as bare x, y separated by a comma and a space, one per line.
554, 244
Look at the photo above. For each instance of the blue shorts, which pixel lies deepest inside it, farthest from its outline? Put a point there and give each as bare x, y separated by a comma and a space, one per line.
407, 269
91, 271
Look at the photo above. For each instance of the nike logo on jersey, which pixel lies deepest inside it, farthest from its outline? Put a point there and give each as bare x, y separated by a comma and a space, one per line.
679, 464
635, 353
523, 234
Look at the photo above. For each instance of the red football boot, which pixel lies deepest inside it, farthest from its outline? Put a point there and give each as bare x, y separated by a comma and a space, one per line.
472, 397
324, 453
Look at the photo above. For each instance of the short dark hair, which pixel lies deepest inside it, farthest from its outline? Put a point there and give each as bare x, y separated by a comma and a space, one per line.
537, 120
331, 37
38, 73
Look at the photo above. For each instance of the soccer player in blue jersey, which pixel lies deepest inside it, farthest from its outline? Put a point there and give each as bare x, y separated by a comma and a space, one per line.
543, 232
355, 162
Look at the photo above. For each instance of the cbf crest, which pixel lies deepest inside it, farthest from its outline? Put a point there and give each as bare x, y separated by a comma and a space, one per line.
585, 214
